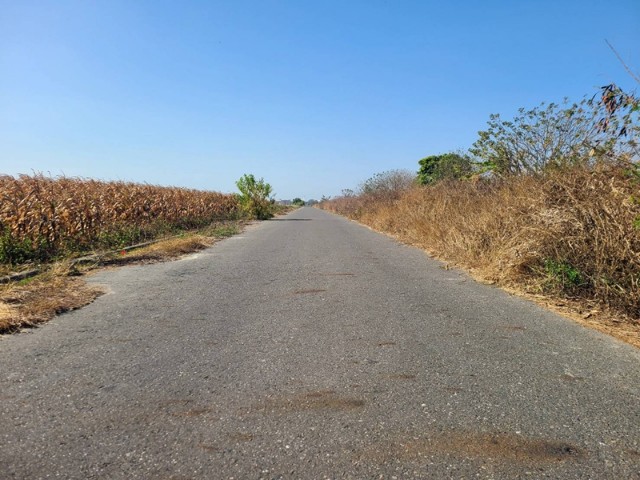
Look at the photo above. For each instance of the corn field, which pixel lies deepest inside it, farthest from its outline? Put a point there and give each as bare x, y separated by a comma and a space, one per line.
43, 217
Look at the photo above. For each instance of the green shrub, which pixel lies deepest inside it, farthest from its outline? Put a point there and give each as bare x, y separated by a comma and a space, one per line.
452, 166
16, 251
562, 275
255, 197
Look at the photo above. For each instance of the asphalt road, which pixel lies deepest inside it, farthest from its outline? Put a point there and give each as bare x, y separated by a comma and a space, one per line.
311, 347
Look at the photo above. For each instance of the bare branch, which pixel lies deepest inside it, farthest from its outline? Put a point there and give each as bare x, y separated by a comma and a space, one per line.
626, 67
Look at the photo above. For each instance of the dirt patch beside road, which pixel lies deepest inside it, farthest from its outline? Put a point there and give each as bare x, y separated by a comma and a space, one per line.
60, 287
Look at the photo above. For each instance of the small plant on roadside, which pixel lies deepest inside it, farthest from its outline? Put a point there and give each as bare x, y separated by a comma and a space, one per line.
255, 197
563, 275
221, 231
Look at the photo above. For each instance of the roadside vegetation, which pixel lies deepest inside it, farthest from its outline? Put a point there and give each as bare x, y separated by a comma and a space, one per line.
44, 219
546, 204
60, 285
62, 228
255, 197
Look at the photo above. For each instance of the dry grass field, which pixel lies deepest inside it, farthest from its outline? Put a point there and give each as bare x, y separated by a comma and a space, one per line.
570, 238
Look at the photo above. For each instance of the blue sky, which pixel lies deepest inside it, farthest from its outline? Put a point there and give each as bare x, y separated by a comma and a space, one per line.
314, 96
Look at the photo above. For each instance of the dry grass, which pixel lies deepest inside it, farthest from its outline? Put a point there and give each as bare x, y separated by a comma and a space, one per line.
180, 246
28, 304
571, 236
160, 251
61, 288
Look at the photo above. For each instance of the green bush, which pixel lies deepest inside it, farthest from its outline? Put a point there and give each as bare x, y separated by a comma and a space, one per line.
562, 275
452, 166
16, 251
255, 197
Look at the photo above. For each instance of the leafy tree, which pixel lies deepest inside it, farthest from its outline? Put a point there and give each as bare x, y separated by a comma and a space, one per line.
447, 166
255, 197
561, 135
298, 202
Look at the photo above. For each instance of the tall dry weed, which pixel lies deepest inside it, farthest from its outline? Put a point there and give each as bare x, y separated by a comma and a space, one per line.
572, 233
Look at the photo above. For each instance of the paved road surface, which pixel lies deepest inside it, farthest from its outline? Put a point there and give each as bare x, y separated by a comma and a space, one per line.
310, 347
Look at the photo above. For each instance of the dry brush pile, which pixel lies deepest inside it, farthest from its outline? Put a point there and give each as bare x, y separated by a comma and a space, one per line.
43, 217
573, 232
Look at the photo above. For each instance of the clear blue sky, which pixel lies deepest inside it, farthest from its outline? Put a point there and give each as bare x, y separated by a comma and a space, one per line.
314, 96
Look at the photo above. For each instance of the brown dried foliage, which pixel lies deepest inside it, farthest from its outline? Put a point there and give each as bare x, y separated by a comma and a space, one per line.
525, 232
41, 299
54, 215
